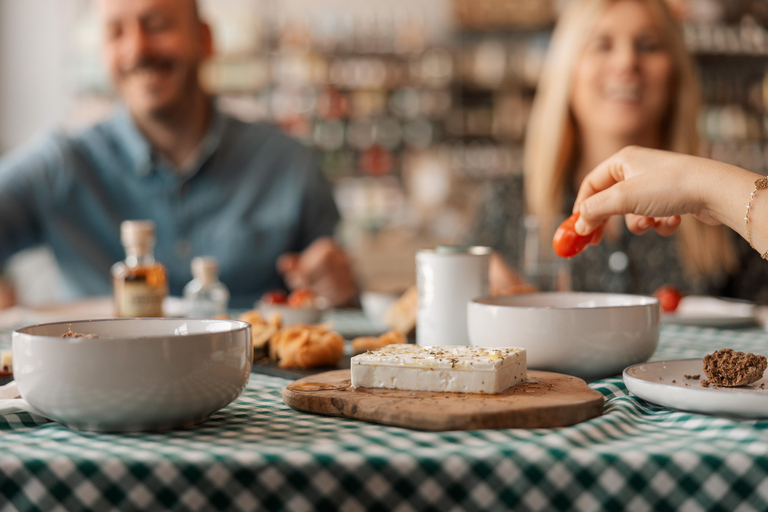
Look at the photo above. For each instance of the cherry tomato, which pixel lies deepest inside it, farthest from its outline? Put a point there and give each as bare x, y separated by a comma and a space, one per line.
567, 242
274, 297
301, 298
669, 297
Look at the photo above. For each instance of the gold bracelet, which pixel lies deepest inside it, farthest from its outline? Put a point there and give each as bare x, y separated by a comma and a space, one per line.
760, 184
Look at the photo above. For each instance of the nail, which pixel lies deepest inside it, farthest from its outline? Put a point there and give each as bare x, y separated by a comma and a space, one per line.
644, 223
581, 226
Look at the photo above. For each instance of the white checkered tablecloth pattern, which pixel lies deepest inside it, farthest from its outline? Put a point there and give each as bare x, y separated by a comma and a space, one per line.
259, 454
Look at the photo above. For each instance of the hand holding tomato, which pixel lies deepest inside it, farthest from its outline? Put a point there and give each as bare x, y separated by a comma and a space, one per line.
669, 298
567, 242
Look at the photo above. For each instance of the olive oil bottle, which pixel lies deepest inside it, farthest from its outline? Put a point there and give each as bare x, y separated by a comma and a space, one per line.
140, 284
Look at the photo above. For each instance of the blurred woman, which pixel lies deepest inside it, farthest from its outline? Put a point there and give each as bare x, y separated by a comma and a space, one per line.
617, 74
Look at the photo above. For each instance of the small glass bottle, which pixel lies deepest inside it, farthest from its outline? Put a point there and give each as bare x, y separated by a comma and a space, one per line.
139, 283
206, 296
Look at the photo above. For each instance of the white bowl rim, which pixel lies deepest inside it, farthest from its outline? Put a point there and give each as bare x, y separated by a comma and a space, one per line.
633, 301
22, 330
285, 307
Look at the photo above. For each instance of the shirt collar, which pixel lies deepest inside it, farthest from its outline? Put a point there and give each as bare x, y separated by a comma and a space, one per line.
141, 155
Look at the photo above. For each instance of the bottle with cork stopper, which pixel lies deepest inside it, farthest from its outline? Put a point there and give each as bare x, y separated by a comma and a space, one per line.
140, 284
206, 296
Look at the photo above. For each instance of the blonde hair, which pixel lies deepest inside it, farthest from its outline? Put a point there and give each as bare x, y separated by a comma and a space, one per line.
704, 250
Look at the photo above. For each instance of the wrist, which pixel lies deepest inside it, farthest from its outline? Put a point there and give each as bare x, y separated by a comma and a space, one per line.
732, 204
725, 191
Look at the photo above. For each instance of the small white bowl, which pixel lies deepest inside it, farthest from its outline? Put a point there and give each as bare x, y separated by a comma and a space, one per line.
139, 374
292, 315
589, 335
376, 304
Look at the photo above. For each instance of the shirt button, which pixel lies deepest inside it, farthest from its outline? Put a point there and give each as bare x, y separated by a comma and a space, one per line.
618, 262
183, 248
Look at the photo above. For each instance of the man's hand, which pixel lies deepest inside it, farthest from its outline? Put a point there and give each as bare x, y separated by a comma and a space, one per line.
7, 295
323, 268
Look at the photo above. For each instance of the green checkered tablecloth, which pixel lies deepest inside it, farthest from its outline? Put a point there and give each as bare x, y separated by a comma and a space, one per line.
259, 454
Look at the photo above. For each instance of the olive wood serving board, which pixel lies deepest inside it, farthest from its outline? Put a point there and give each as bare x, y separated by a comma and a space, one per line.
544, 400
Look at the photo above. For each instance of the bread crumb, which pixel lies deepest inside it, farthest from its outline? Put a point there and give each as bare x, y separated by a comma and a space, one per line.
728, 367
693, 377
71, 334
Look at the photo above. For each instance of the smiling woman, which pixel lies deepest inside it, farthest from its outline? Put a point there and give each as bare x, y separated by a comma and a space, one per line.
621, 84
617, 73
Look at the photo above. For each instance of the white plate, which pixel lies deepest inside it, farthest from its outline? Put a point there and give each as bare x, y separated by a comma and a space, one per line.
664, 383
708, 321
711, 312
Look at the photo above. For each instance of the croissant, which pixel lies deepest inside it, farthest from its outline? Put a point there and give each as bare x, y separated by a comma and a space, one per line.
306, 347
401, 316
364, 343
261, 330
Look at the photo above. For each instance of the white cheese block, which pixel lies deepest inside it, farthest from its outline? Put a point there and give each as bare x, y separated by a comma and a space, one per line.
448, 368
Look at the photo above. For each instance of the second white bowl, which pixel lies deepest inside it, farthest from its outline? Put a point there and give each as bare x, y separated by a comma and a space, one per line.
589, 335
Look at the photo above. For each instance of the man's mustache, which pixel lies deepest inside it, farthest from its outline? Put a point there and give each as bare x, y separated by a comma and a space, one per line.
149, 64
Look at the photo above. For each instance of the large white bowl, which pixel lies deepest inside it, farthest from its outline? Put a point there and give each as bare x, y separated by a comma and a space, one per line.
139, 374
589, 335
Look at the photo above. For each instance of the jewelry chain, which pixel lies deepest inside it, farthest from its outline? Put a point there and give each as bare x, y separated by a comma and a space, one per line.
760, 184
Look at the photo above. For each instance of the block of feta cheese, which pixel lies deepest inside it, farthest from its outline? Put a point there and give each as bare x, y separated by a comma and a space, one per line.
452, 369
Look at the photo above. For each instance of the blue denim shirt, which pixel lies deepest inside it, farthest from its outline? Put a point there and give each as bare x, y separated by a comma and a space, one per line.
254, 194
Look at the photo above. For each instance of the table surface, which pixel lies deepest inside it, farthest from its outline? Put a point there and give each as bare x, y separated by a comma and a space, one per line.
258, 453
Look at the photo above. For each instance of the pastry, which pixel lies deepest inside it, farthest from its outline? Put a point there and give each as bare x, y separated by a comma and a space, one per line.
401, 316
304, 346
364, 343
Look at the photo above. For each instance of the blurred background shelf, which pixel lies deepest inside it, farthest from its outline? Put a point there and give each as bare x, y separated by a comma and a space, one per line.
410, 105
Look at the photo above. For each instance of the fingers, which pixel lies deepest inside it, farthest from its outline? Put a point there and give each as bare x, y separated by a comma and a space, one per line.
602, 177
664, 226
595, 209
323, 268
638, 224
287, 262
337, 289
501, 275
597, 237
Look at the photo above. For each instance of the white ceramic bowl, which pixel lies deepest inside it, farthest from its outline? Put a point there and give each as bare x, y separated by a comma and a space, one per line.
292, 315
376, 304
589, 335
139, 374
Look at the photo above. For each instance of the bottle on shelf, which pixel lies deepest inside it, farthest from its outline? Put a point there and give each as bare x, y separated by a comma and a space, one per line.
206, 296
140, 284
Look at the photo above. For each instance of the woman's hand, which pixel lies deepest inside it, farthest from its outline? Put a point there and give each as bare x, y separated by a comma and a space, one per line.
650, 187
7, 294
504, 280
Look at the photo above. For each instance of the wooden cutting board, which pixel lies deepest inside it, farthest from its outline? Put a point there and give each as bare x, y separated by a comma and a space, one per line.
544, 400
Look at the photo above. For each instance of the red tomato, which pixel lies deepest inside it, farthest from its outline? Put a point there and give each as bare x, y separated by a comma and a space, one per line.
301, 298
567, 242
274, 297
669, 298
